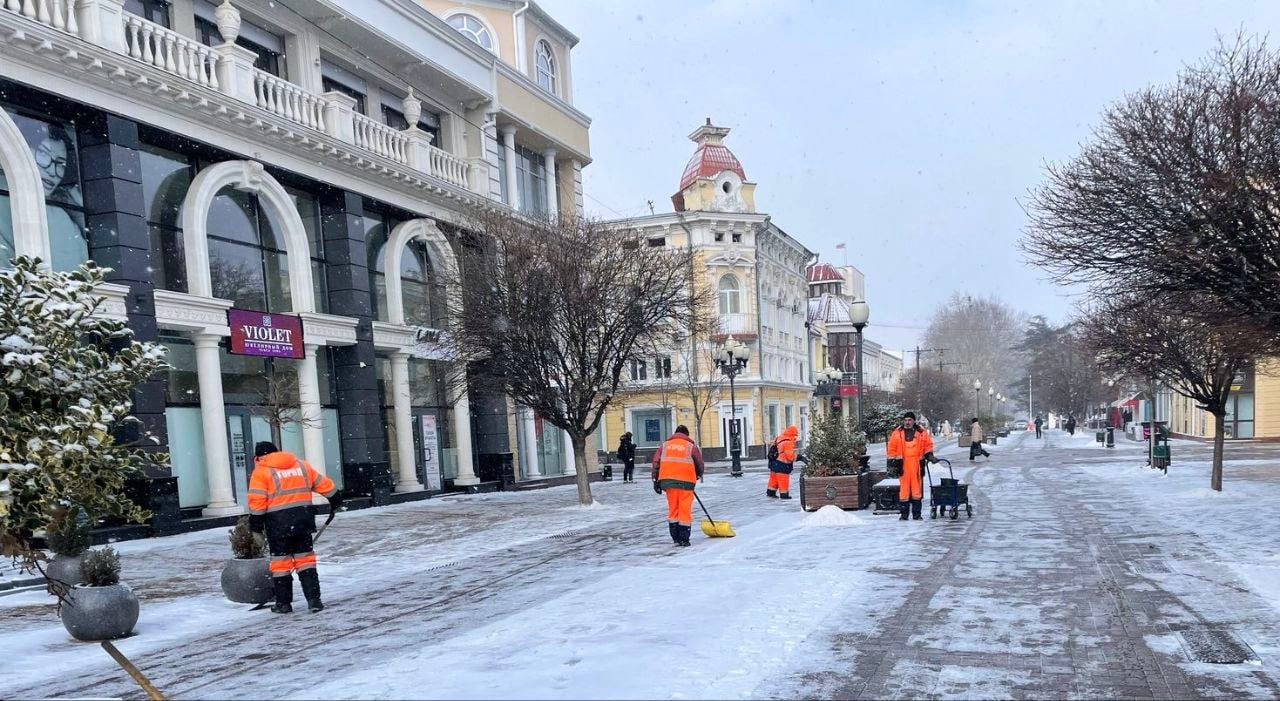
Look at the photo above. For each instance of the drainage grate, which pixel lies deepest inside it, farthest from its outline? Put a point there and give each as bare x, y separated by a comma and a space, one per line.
1217, 647
433, 568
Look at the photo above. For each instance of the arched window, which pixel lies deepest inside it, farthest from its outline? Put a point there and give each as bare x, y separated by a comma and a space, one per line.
472, 29
53, 143
545, 60
248, 263
422, 303
730, 295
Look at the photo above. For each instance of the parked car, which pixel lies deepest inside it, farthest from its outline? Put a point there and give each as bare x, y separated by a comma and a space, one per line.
1020, 425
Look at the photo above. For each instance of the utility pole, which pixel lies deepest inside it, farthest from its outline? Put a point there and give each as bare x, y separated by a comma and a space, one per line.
918, 350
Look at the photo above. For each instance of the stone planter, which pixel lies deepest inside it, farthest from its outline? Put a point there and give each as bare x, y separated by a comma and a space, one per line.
100, 613
63, 571
247, 581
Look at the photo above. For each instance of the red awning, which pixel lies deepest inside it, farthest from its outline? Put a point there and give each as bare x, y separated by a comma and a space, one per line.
1131, 402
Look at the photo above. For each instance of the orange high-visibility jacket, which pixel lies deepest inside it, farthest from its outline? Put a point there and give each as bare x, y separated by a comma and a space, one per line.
787, 453
677, 464
280, 490
911, 451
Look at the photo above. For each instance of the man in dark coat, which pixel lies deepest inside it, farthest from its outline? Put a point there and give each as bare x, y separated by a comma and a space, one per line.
627, 454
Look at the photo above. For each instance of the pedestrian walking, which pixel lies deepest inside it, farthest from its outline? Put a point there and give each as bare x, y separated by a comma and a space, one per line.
1039, 424
975, 440
280, 504
782, 460
677, 467
910, 447
1071, 425
627, 454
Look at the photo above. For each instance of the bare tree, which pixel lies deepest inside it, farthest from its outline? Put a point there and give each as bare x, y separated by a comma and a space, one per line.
699, 381
980, 333
1176, 191
1067, 377
1156, 339
940, 393
278, 404
550, 311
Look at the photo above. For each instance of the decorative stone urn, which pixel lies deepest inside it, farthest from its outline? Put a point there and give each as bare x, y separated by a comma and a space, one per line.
100, 613
228, 20
247, 581
412, 108
64, 571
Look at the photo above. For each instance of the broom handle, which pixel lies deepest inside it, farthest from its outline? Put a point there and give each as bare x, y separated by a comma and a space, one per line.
704, 508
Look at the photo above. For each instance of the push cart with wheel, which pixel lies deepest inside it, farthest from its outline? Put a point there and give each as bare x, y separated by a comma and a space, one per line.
951, 494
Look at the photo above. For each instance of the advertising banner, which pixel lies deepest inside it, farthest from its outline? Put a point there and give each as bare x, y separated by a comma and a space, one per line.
431, 454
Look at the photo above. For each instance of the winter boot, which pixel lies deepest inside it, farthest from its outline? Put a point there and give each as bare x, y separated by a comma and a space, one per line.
904, 508
771, 493
685, 532
785, 495
916, 506
310, 580
674, 530
283, 589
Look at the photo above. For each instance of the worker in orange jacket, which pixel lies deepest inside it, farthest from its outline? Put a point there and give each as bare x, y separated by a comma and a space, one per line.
782, 460
910, 445
677, 466
280, 504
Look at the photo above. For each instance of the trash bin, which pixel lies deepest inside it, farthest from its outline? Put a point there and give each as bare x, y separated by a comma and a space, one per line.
1111, 437
1100, 436
606, 472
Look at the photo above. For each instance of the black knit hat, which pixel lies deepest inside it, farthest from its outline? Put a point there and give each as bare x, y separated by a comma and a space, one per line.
264, 448
909, 415
682, 429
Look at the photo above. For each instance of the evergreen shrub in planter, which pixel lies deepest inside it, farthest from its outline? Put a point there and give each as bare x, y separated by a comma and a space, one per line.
834, 461
102, 608
246, 578
68, 538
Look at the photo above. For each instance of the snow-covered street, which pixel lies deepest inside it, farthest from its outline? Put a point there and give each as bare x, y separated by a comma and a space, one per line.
1080, 575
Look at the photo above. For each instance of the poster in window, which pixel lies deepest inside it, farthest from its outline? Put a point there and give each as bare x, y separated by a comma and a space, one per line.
431, 453
653, 430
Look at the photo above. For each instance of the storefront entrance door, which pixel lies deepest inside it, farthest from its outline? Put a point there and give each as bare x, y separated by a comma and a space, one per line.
243, 431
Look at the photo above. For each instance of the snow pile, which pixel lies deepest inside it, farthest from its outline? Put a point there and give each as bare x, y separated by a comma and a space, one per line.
830, 516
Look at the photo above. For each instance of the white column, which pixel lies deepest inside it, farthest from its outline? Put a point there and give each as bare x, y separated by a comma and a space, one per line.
509, 147
462, 442
222, 500
309, 407
549, 164
529, 443
407, 481
570, 467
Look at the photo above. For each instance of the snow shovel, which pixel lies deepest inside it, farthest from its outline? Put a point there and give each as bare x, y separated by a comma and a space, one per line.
712, 528
327, 521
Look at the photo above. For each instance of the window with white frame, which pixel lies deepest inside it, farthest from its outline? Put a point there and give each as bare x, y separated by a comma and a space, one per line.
661, 368
730, 295
545, 60
473, 29
639, 371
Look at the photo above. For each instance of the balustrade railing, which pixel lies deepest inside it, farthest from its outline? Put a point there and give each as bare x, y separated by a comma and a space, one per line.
282, 98
59, 14
170, 51
450, 168
381, 139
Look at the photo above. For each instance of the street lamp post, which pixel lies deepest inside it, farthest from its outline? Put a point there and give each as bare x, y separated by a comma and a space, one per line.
859, 313
977, 397
991, 401
732, 359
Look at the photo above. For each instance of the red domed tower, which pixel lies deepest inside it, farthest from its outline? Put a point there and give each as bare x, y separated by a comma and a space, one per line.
713, 180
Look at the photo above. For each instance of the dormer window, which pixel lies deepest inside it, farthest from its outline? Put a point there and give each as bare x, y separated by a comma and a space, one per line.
545, 60
473, 29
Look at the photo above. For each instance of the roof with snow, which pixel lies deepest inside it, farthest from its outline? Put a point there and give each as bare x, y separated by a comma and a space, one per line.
824, 272
829, 309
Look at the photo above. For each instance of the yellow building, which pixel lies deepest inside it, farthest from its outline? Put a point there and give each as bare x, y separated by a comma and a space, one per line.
1253, 411
758, 273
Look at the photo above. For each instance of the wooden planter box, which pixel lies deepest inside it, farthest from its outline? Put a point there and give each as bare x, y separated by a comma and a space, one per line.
845, 491
964, 441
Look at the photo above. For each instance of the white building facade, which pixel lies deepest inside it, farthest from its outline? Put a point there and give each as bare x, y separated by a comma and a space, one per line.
240, 165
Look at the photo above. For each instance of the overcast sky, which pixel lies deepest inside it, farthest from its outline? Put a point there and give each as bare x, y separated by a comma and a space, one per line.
907, 130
